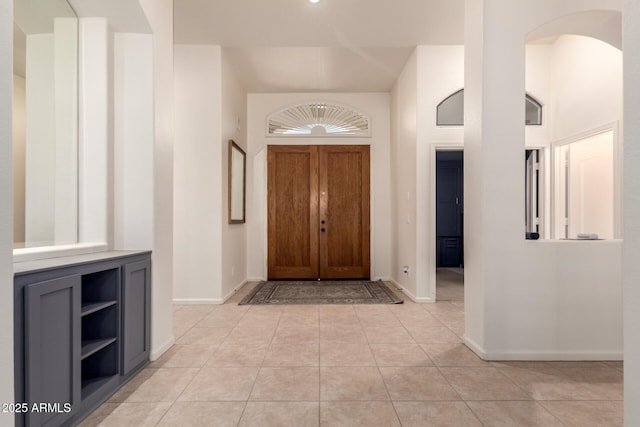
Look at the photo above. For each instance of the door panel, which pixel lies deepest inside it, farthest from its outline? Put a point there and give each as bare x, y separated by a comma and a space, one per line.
52, 347
318, 212
293, 212
344, 208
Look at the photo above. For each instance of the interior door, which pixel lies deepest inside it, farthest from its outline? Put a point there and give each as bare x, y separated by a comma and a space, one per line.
318, 212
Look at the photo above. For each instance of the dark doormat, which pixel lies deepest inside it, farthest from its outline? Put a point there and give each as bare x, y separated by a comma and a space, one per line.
321, 292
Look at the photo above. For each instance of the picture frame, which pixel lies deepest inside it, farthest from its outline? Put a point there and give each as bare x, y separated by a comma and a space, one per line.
237, 183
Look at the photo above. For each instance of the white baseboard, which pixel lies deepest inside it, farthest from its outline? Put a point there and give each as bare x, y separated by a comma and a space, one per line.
255, 279
234, 291
536, 355
159, 351
210, 301
191, 301
412, 297
573, 355
473, 346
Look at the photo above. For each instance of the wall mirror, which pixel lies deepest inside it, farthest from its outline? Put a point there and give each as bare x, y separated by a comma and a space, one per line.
45, 123
237, 184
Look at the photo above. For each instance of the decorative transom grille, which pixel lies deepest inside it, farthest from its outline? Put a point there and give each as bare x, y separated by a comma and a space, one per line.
318, 118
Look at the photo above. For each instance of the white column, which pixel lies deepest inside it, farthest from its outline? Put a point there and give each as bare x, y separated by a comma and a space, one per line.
198, 170
6, 210
160, 16
96, 131
65, 62
631, 271
494, 152
133, 141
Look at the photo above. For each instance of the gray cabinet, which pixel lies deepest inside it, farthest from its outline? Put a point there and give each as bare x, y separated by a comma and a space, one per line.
52, 331
82, 328
135, 306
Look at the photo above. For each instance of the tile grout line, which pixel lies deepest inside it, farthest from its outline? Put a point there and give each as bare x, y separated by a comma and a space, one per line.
384, 383
259, 367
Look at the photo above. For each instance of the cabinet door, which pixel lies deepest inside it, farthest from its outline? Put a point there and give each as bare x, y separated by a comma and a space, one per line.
136, 303
52, 349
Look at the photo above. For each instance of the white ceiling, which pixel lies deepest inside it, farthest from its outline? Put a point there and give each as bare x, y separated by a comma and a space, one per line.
332, 46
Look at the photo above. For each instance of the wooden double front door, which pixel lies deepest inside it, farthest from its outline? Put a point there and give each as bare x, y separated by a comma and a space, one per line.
318, 212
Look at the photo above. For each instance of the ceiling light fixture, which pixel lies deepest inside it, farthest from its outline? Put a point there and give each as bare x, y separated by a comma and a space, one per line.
314, 1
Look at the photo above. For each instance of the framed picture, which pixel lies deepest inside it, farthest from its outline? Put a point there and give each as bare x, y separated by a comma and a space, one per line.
237, 183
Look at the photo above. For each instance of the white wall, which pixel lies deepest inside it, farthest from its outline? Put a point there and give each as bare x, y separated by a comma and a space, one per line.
198, 174
403, 170
6, 210
513, 310
234, 236
586, 85
377, 107
159, 14
210, 103
65, 48
440, 73
95, 152
133, 141
631, 37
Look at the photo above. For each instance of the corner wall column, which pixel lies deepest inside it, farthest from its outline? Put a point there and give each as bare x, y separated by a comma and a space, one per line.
631, 269
160, 16
6, 208
493, 166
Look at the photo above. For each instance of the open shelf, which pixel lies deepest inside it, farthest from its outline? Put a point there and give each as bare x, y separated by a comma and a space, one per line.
99, 364
98, 288
89, 308
90, 347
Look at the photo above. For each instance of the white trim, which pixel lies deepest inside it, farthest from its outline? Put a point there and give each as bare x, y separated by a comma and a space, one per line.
412, 297
254, 279
475, 347
548, 355
156, 353
234, 291
46, 252
193, 301
210, 301
557, 216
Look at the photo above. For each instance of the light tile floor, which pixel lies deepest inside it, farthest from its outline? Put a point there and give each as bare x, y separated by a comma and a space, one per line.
351, 365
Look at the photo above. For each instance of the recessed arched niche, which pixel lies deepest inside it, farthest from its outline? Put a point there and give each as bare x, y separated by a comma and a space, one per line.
318, 118
450, 112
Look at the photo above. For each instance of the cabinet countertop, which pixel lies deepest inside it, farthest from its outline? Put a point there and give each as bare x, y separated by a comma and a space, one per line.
28, 267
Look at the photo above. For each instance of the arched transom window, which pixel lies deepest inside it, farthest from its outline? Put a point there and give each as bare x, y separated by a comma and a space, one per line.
318, 119
450, 112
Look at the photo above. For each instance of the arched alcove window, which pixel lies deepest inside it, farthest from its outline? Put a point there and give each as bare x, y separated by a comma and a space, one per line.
533, 111
318, 119
450, 112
